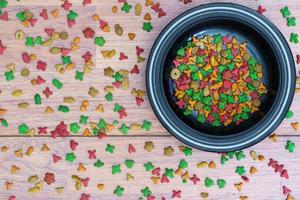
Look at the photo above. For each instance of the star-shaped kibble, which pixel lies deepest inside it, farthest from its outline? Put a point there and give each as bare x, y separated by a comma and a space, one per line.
285, 12
291, 21
294, 38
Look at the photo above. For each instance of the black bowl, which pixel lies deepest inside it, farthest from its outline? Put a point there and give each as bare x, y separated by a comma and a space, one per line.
264, 41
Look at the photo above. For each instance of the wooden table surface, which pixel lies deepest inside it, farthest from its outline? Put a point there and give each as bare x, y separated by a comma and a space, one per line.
265, 185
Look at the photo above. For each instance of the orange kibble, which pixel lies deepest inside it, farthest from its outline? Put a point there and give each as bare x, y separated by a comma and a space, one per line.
114, 9
212, 165
96, 17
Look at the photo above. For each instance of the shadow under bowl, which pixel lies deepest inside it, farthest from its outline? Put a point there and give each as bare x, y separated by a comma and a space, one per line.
264, 42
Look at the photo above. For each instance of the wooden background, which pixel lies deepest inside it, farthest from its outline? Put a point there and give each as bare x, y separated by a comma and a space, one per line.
264, 185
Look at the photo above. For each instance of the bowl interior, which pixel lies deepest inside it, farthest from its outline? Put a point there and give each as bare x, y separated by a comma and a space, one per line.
258, 46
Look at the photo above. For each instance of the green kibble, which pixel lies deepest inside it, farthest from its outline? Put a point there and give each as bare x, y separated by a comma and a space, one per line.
4, 122
72, 15
64, 109
37, 99
124, 129
240, 170
57, 83
98, 163
23, 129
70, 157
290, 146
289, 114
146, 192
147, 26
100, 41
129, 163
221, 183
29, 42
126, 7
119, 191
110, 148
148, 166
116, 169
183, 164
21, 16
146, 125
79, 75
109, 96
209, 182
3, 3
9, 75
74, 127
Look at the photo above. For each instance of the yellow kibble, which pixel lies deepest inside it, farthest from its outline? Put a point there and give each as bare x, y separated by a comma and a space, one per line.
9, 185
33, 190
81, 168
54, 36
239, 186
19, 153
100, 186
39, 185
17, 93
178, 172
14, 169
49, 110
11, 67
76, 40
31, 132
69, 99
23, 105
47, 43
109, 88
45, 148
60, 190
100, 108
129, 177
202, 164
74, 46
32, 179
19, 35
33, 57
253, 155
4, 148
78, 185
135, 126
29, 151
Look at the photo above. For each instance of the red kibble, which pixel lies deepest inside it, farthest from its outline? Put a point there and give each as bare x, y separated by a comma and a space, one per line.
65, 51
85, 196
71, 23
26, 57
86, 2
284, 174
117, 84
131, 149
298, 59
135, 70
139, 101
151, 197
164, 179
32, 21
12, 197
279, 168
101, 135
4, 16
155, 7
176, 194
123, 56
2, 48
156, 171
261, 10
122, 113
56, 158
161, 13
139, 50
87, 56
73, 145
47, 92
49, 178
60, 130
245, 178
102, 23
40, 80
85, 181
180, 103
41, 65
88, 33
49, 31
286, 190
44, 14
42, 130
92, 154
66, 5
195, 179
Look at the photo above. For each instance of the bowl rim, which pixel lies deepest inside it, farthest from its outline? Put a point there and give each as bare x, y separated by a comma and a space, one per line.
180, 130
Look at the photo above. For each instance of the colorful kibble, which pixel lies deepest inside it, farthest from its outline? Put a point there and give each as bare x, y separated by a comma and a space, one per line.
119, 191
223, 87
290, 146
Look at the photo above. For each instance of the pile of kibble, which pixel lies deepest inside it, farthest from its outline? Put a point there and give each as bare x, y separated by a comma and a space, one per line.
219, 79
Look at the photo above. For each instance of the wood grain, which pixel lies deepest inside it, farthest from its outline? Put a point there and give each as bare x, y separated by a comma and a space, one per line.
264, 185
